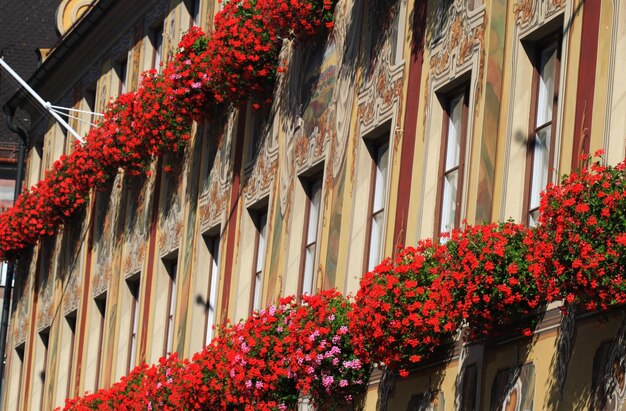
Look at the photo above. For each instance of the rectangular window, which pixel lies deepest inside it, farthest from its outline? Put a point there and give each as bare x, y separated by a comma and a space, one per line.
19, 351
90, 102
171, 268
194, 7
213, 245
256, 133
101, 305
540, 155
260, 243
133, 288
71, 325
156, 38
309, 245
45, 337
378, 200
122, 72
451, 169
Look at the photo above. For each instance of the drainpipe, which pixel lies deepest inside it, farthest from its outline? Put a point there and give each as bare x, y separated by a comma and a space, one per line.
8, 288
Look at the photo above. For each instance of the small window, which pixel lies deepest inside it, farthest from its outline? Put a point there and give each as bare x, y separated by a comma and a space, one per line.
260, 222
313, 188
122, 74
156, 38
71, 327
193, 8
377, 204
45, 337
451, 169
101, 304
171, 267
133, 289
257, 121
19, 351
90, 103
212, 243
541, 139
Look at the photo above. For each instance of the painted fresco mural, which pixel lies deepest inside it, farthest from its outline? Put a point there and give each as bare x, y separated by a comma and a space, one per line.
515, 395
431, 401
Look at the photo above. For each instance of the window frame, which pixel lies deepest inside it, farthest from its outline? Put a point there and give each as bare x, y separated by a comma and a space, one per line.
71, 319
448, 98
134, 286
157, 33
213, 246
259, 215
555, 38
101, 305
374, 146
308, 184
171, 270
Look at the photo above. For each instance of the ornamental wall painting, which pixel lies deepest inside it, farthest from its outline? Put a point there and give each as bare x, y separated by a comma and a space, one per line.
106, 235
608, 381
262, 155
138, 206
46, 282
21, 307
215, 174
429, 401
171, 210
511, 392
71, 258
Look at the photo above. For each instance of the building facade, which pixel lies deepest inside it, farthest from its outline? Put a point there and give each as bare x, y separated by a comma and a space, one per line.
391, 129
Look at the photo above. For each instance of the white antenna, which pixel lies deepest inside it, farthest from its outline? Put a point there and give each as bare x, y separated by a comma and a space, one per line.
53, 110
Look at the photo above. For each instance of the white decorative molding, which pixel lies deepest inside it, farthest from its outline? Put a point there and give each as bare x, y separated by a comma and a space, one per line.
529, 14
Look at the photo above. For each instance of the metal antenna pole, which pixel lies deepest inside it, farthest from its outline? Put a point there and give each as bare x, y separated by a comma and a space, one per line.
45, 104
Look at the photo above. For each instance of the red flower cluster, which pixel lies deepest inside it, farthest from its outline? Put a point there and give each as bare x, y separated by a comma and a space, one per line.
237, 61
487, 272
482, 277
266, 363
582, 234
399, 315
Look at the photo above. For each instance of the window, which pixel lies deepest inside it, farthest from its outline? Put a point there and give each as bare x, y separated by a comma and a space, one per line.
194, 7
260, 221
156, 38
397, 34
133, 287
171, 266
101, 304
122, 71
19, 351
44, 335
378, 199
451, 167
213, 245
90, 101
256, 133
313, 189
71, 326
540, 154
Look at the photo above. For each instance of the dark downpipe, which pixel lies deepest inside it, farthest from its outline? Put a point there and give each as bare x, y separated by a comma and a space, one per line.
8, 288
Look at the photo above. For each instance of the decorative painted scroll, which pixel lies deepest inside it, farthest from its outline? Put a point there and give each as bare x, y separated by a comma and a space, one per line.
139, 193
529, 14
217, 176
46, 282
171, 219
105, 234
